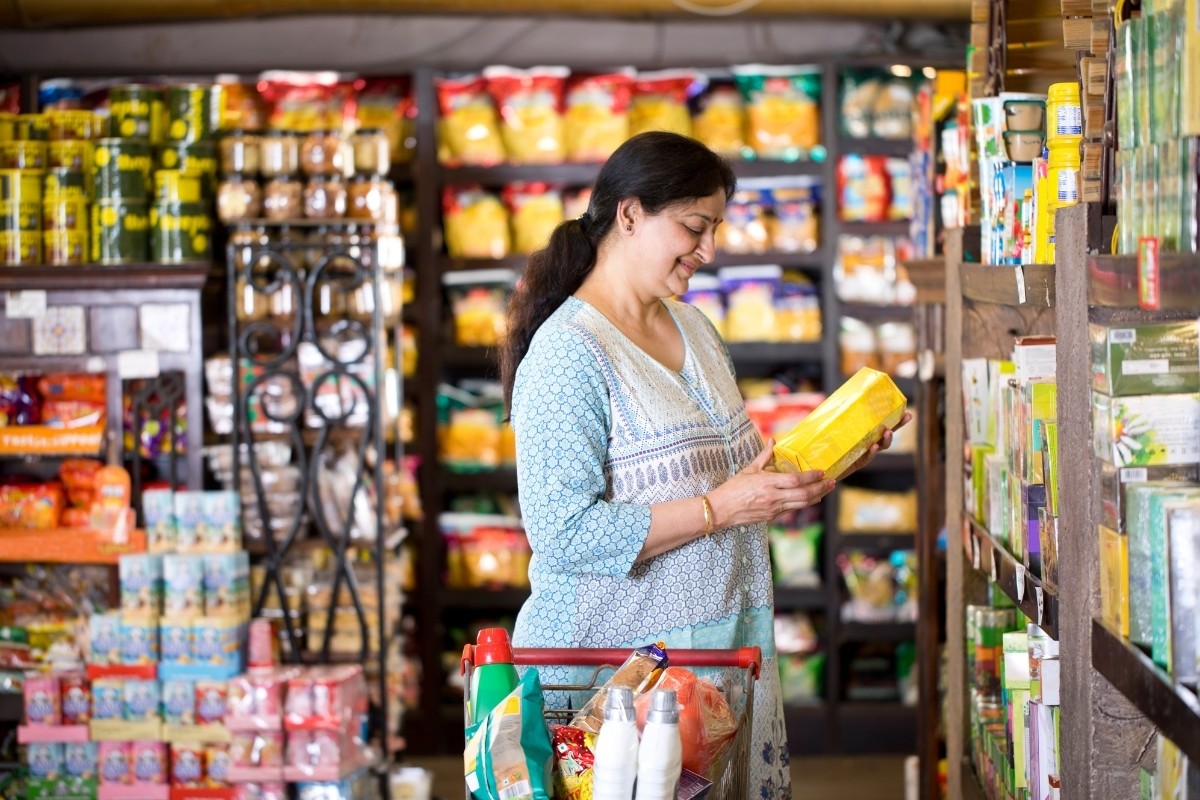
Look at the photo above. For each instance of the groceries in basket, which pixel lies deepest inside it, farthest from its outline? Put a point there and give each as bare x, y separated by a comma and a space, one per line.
639, 673
508, 754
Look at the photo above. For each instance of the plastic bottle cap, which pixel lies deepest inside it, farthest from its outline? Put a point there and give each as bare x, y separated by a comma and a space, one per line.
492, 647
618, 704
665, 708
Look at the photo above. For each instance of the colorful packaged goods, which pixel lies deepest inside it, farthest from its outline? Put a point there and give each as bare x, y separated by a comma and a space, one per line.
596, 119
468, 128
660, 101
530, 106
781, 109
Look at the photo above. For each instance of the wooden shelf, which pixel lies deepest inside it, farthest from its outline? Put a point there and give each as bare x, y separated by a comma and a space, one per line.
499, 480
876, 541
106, 276
775, 353
993, 559
891, 228
870, 312
812, 263
1113, 282
873, 632
792, 599
500, 174
1172, 708
1030, 286
66, 546
494, 600
875, 146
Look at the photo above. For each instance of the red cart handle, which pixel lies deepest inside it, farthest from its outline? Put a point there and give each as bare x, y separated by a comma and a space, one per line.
743, 657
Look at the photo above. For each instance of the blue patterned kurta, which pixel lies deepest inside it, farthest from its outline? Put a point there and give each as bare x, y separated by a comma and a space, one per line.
604, 431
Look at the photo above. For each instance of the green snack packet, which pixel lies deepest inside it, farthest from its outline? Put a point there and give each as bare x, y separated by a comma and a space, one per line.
508, 753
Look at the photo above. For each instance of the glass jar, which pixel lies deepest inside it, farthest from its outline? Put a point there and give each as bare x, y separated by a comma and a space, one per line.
372, 152
323, 153
280, 153
251, 304
365, 198
324, 198
283, 198
240, 152
239, 198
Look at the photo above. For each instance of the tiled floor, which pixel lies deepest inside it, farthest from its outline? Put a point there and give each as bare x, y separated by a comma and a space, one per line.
853, 778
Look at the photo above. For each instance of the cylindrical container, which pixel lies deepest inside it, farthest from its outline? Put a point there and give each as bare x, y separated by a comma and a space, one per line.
1063, 171
190, 113
23, 154
32, 128
660, 754
372, 152
65, 247
240, 152
135, 111
283, 198
195, 159
616, 754
260, 647
494, 676
120, 232
75, 154
172, 186
121, 169
65, 183
239, 198
323, 153
20, 200
66, 125
67, 214
19, 248
367, 199
180, 233
1064, 114
325, 198
8, 126
280, 153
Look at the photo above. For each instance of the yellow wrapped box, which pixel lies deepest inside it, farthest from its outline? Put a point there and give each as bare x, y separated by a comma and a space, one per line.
840, 430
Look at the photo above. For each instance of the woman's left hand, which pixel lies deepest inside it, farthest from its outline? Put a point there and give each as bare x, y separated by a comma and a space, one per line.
885, 441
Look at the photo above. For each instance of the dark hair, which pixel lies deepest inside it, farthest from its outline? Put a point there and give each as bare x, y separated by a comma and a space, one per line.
660, 169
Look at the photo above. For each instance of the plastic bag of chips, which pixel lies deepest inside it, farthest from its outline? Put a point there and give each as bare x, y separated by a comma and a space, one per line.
530, 105
596, 120
476, 223
535, 209
468, 131
781, 109
660, 101
720, 119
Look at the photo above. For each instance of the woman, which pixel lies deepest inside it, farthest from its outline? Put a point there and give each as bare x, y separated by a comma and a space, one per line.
644, 486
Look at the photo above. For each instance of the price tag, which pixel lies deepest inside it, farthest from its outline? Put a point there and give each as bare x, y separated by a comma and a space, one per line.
134, 364
1149, 279
1037, 591
1020, 583
1019, 274
29, 304
994, 568
975, 555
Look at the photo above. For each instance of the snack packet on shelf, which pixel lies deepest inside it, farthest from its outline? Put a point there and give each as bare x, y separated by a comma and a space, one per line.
476, 223
745, 228
535, 209
639, 672
781, 109
720, 119
388, 104
468, 131
660, 101
530, 106
596, 120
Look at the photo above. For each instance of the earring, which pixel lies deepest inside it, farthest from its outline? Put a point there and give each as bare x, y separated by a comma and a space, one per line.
629, 228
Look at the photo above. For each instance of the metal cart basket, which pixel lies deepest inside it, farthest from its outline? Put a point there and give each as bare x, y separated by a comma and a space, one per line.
730, 772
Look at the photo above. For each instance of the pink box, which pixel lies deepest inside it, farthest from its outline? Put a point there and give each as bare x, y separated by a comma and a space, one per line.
325, 698
43, 703
114, 764
149, 760
35, 734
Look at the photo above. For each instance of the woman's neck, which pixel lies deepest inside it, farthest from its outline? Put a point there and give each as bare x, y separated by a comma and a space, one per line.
609, 292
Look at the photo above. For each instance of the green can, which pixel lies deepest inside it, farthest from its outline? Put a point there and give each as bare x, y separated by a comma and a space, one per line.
20, 200
65, 183
190, 113
120, 232
135, 111
121, 169
193, 160
32, 128
180, 232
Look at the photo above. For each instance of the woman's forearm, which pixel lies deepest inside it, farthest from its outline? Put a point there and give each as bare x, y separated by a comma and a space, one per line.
672, 524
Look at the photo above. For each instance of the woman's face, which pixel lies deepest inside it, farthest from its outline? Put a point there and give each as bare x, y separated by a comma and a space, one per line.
673, 244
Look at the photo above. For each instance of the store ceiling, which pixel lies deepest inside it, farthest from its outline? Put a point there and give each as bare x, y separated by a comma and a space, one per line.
43, 14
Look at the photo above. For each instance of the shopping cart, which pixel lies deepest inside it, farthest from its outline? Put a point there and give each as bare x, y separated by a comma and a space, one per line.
730, 772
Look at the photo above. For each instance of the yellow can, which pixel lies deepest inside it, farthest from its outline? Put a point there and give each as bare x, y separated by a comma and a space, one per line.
65, 183
70, 124
174, 186
65, 214
73, 154
1064, 114
32, 128
23, 154
20, 248
20, 184
65, 247
8, 126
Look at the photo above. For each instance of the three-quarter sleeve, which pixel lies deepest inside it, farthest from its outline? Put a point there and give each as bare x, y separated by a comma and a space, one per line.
561, 415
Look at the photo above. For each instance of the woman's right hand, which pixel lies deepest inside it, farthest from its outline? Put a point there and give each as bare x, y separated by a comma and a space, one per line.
758, 494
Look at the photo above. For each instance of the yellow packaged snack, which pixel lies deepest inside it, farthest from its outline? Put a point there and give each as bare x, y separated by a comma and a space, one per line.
869, 511
844, 427
468, 131
750, 302
478, 300
781, 109
660, 102
596, 121
536, 209
720, 121
476, 223
530, 104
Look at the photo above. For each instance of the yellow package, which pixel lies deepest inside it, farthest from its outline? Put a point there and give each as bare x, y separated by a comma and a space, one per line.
536, 210
869, 511
596, 121
721, 120
476, 223
468, 131
530, 103
660, 102
781, 109
574, 755
844, 427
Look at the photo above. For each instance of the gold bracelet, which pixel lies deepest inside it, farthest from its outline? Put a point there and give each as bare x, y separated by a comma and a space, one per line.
708, 515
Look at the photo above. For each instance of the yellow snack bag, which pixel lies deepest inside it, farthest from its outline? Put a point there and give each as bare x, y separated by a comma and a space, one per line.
596, 121
844, 427
468, 132
781, 109
536, 210
530, 103
475, 222
720, 121
660, 102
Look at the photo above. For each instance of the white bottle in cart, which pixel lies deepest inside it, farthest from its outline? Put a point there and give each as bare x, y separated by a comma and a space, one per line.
660, 756
616, 758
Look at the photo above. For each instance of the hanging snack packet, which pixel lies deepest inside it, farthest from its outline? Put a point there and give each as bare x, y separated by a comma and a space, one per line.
596, 120
508, 754
535, 209
476, 224
639, 673
781, 109
720, 119
530, 105
468, 132
660, 101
